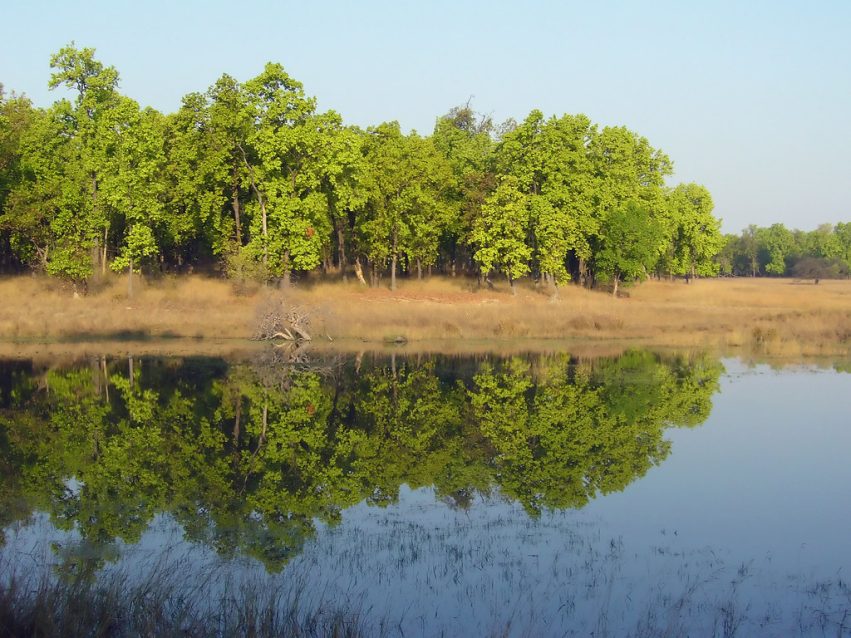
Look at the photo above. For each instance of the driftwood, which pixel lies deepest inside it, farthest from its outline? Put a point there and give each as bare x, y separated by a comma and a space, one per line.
278, 320
280, 364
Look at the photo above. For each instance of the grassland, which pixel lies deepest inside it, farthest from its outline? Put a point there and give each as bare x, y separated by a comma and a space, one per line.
783, 316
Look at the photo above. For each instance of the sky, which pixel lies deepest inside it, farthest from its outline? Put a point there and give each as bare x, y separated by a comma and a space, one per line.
751, 99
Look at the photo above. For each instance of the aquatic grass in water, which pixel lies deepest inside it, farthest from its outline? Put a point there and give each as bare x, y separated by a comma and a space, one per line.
422, 568
170, 598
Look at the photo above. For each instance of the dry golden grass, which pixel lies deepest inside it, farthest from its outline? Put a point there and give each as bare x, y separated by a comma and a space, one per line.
784, 316
40, 308
781, 316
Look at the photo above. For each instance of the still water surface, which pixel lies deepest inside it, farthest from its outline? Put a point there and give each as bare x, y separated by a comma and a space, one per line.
539, 495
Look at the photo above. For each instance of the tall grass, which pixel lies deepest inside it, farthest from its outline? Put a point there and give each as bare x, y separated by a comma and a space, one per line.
492, 575
778, 315
166, 602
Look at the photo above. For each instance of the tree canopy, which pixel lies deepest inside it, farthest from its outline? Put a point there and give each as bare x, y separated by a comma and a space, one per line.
252, 179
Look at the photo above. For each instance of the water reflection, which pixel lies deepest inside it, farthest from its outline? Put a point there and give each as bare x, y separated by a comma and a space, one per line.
248, 457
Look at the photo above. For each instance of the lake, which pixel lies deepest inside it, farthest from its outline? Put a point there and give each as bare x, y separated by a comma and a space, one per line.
544, 494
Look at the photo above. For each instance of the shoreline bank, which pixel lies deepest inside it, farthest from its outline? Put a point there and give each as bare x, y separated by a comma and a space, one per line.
200, 315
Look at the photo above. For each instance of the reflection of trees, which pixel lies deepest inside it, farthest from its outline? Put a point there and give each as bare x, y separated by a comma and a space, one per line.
572, 431
246, 460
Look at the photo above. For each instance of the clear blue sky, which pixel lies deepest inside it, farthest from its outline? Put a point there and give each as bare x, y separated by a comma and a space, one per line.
751, 99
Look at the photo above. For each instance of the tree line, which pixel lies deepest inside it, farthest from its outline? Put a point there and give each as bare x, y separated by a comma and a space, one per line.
777, 251
252, 177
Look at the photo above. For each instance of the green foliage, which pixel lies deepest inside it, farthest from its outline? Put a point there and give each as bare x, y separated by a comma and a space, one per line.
139, 244
821, 253
254, 169
779, 243
552, 161
408, 208
695, 233
45, 210
499, 233
628, 248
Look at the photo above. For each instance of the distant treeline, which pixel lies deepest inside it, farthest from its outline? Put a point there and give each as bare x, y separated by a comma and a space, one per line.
822, 253
251, 177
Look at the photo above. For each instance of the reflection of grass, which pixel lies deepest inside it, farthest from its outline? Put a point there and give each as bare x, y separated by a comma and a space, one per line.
496, 574
451, 572
165, 603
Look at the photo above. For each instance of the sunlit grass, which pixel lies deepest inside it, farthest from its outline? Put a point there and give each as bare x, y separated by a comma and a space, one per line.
779, 315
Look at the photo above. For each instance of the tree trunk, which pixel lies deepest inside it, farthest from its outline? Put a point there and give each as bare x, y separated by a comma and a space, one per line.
286, 279
262, 210
419, 269
104, 253
130, 279
341, 249
236, 422
393, 260
105, 379
615, 287
235, 206
511, 283
265, 233
96, 253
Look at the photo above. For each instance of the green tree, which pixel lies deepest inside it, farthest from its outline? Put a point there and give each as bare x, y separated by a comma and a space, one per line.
750, 248
499, 233
822, 242
96, 85
25, 194
343, 182
408, 208
288, 144
16, 117
843, 236
778, 242
696, 234
45, 213
551, 160
197, 191
628, 247
465, 139
132, 184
